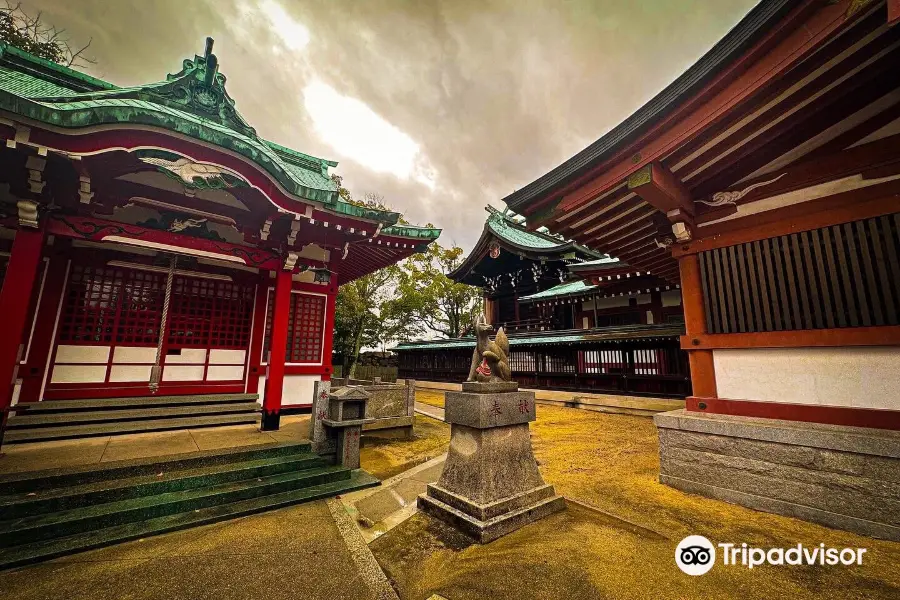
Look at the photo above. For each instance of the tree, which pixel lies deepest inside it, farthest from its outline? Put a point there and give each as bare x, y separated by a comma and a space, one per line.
359, 320
430, 302
31, 34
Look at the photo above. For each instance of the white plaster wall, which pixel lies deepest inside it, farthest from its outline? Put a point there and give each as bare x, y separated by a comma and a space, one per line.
227, 357
82, 354
131, 354
864, 377
78, 374
129, 373
188, 356
261, 388
225, 373
182, 373
297, 391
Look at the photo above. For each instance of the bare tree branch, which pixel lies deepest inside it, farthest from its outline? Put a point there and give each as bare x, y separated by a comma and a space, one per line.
31, 34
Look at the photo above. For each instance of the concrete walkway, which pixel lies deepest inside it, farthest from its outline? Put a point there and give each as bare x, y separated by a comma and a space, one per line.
378, 510
428, 410
85, 451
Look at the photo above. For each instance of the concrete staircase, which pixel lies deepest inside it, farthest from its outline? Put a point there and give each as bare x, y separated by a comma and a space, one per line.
48, 514
68, 419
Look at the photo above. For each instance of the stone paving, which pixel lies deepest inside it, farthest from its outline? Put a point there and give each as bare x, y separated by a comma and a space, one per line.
72, 453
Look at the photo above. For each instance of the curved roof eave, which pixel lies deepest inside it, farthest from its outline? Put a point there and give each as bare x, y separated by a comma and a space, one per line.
79, 115
755, 24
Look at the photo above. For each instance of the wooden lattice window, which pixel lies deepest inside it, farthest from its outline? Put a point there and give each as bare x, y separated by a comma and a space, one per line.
845, 275
140, 308
91, 303
306, 319
209, 313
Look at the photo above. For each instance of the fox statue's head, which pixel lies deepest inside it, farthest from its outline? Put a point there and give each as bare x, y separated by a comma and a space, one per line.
481, 327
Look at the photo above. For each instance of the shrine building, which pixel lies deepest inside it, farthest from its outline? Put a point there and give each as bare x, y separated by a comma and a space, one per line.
576, 319
152, 243
765, 181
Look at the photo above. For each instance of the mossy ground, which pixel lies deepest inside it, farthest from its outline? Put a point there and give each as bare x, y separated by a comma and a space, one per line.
625, 549
386, 458
432, 397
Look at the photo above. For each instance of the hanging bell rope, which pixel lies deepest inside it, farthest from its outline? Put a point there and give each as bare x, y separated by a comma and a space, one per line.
156, 369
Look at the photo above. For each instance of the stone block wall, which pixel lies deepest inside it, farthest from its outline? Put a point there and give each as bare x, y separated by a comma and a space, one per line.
841, 477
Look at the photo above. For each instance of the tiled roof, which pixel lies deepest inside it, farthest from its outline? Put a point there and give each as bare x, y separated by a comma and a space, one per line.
193, 103
570, 336
564, 289
515, 234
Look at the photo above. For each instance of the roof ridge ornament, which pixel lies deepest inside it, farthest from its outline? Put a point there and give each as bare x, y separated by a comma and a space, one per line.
200, 88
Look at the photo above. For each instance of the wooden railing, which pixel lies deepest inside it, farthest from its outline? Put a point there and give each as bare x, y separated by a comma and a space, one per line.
638, 366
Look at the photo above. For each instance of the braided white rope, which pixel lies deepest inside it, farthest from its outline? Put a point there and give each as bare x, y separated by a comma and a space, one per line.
156, 370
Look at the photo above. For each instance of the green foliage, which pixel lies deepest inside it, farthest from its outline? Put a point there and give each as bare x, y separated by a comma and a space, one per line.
359, 321
31, 34
370, 200
403, 301
427, 301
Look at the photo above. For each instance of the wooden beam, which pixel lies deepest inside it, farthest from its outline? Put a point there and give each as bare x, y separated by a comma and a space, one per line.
756, 69
864, 203
803, 338
660, 188
810, 413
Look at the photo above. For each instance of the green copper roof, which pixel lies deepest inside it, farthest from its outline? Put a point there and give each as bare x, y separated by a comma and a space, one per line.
192, 102
569, 336
412, 231
564, 289
505, 228
606, 260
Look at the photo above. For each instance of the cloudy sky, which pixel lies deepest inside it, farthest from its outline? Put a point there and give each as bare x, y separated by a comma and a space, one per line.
440, 107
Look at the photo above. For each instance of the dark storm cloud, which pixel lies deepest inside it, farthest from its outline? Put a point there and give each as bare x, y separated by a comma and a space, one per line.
495, 93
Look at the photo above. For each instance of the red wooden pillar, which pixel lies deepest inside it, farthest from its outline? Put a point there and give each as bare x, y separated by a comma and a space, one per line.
271, 416
34, 371
703, 372
328, 342
21, 273
259, 331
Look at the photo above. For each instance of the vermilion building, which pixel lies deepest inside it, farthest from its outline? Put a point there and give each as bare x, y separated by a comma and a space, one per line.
151, 242
766, 181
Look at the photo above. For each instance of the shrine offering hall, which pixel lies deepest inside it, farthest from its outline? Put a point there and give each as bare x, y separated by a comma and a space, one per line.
152, 243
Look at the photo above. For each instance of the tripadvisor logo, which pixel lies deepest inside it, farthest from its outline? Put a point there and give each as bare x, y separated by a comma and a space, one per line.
696, 555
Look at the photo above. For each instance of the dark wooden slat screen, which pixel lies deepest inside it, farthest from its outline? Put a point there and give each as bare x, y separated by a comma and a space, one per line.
846, 275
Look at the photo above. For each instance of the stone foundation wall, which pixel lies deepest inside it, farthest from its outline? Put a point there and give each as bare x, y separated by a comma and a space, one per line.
842, 477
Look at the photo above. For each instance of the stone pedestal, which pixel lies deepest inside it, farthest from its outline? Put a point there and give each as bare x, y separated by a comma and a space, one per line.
317, 435
490, 485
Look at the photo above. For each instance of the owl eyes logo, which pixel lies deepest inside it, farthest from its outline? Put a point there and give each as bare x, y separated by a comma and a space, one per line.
695, 555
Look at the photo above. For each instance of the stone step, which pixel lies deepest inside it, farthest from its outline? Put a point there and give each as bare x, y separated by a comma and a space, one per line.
42, 434
37, 551
43, 419
87, 518
27, 504
48, 479
92, 404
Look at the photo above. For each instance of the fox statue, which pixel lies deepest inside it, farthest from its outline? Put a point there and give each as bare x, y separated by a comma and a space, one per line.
490, 361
